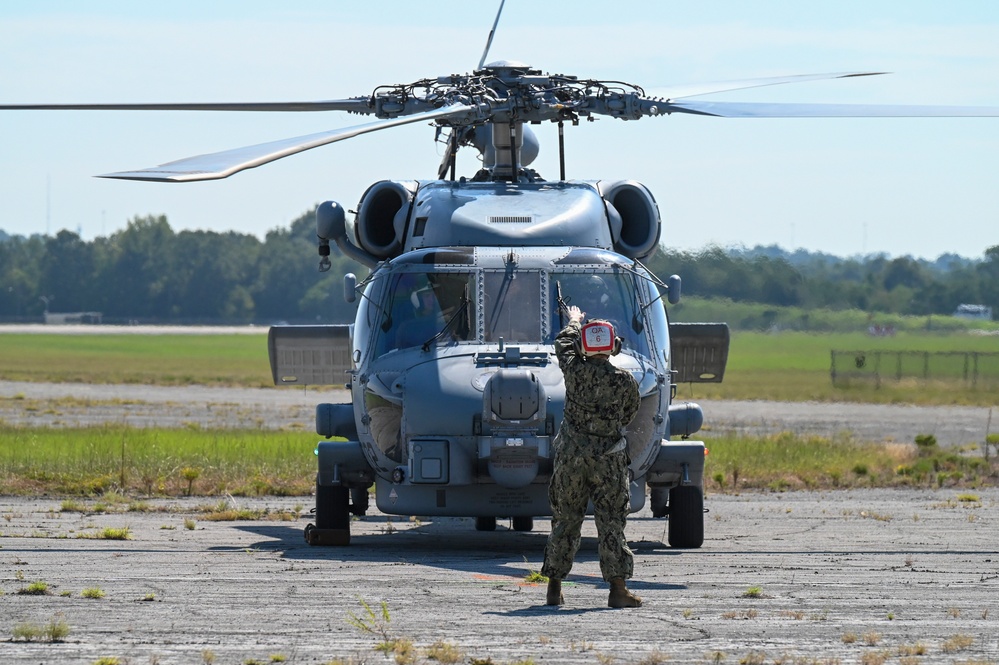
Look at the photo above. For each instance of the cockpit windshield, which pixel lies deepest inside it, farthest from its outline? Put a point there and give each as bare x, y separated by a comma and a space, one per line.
512, 306
423, 308
605, 295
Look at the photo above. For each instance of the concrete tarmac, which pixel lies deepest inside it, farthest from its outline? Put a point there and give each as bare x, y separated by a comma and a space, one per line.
858, 576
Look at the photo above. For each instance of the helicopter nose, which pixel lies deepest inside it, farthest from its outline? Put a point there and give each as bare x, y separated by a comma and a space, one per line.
513, 395
514, 409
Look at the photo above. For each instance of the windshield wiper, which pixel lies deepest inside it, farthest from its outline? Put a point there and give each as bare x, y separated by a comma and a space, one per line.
450, 322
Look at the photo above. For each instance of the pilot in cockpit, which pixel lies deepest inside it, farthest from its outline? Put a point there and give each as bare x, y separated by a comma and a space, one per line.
594, 295
425, 319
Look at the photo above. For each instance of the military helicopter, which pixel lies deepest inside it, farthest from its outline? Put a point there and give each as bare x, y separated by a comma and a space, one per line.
455, 392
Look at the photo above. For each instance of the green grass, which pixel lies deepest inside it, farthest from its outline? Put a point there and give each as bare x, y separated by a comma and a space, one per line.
108, 462
755, 316
788, 365
152, 359
35, 589
794, 366
56, 631
787, 462
158, 462
93, 461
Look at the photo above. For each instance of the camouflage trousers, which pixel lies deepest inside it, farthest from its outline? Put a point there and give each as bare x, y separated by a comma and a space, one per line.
581, 475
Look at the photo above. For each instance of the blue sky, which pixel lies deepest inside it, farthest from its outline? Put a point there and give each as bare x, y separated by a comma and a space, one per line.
845, 186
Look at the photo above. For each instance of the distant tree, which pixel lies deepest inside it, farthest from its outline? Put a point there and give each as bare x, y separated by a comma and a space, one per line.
21, 261
134, 280
67, 275
211, 276
906, 272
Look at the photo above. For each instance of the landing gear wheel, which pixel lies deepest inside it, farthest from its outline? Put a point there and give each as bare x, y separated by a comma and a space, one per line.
523, 523
686, 517
485, 523
359, 501
332, 525
658, 497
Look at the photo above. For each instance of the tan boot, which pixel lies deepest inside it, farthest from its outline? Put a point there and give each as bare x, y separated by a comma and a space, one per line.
620, 596
555, 593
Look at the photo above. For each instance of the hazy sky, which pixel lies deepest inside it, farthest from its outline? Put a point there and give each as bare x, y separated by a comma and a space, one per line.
901, 186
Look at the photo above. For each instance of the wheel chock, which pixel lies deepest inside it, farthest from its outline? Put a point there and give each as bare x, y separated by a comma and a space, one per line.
336, 537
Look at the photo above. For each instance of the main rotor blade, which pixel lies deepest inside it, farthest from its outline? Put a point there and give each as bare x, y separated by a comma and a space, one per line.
777, 110
695, 89
355, 105
489, 40
223, 164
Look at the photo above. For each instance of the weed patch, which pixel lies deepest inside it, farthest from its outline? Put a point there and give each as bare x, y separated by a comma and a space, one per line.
109, 533
228, 510
787, 461
35, 589
958, 642
445, 653
119, 460
56, 630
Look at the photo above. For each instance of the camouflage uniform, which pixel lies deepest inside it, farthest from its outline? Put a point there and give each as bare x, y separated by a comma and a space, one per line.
591, 460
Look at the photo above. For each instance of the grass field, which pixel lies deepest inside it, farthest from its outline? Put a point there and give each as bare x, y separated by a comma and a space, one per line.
124, 461
156, 462
149, 359
794, 366
787, 366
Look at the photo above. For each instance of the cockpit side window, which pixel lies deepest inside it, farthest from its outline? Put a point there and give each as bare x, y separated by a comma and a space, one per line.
603, 295
512, 306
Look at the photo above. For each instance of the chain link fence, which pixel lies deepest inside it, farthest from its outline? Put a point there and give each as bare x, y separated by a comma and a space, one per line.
970, 369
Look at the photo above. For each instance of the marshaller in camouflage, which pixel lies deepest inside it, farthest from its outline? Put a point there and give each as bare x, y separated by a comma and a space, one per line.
591, 463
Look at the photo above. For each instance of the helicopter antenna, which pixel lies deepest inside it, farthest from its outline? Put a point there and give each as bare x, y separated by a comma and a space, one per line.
489, 41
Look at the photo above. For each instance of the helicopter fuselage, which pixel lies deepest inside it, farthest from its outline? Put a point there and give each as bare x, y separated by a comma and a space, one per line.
456, 394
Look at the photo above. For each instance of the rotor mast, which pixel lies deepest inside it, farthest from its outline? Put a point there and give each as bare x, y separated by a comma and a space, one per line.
508, 141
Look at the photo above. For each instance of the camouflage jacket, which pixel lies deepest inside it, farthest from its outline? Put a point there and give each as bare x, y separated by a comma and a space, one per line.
600, 399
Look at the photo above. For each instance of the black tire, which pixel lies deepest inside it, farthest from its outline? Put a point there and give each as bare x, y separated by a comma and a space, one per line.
485, 523
523, 523
359, 501
686, 517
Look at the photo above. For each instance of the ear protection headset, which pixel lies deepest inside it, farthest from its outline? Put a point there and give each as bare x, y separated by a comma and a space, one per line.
414, 297
597, 338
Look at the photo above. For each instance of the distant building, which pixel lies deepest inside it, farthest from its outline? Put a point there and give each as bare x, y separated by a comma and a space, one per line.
72, 317
979, 312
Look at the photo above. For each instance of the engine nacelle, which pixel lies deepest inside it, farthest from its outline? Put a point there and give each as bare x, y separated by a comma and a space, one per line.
633, 216
381, 217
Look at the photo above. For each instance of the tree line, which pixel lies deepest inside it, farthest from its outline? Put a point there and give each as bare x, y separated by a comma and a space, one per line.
770, 276
148, 272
